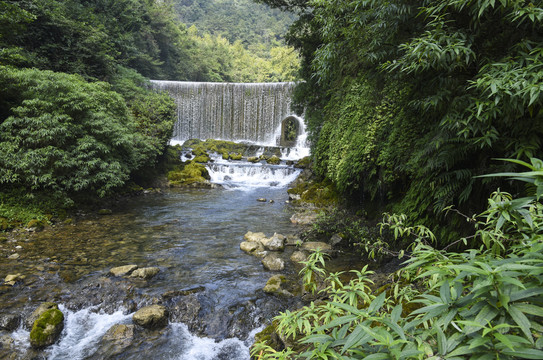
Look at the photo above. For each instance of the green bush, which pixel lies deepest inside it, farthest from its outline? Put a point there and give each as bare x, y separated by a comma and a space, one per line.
483, 303
61, 134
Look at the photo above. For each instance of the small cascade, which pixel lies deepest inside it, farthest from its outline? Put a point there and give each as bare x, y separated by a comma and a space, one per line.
245, 175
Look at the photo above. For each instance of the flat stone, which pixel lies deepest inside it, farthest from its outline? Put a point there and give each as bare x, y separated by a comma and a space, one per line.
293, 240
254, 237
316, 245
305, 218
12, 279
145, 273
120, 334
14, 256
123, 270
251, 248
273, 263
151, 317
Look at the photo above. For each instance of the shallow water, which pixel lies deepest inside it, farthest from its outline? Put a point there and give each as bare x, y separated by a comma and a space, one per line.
193, 236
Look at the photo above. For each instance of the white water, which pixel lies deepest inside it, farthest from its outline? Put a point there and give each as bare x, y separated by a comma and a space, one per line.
228, 111
83, 330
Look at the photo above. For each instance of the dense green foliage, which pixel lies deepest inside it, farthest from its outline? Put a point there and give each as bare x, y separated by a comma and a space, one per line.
407, 101
485, 303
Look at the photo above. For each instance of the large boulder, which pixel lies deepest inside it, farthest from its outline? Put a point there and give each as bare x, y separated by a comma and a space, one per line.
145, 273
273, 263
151, 317
47, 328
123, 270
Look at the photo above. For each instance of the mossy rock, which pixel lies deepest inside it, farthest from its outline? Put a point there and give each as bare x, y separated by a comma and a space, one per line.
192, 173
47, 328
236, 156
203, 158
274, 160
303, 163
37, 224
253, 159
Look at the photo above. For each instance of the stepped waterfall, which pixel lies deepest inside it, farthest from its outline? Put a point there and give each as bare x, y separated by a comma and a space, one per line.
250, 112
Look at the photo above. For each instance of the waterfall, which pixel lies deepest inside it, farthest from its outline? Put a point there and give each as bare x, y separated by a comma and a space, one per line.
229, 111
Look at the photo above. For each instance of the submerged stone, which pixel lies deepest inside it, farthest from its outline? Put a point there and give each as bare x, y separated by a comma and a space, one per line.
145, 273
316, 245
123, 270
115, 341
151, 317
12, 279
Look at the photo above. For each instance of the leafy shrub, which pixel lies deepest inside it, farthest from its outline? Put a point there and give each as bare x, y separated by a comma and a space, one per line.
484, 303
62, 134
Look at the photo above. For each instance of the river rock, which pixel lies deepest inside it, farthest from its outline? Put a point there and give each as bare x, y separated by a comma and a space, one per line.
9, 322
12, 279
29, 322
316, 245
273, 263
275, 243
14, 256
115, 341
47, 328
253, 159
145, 273
298, 256
274, 160
305, 218
105, 212
336, 240
293, 240
261, 200
185, 309
123, 270
254, 237
151, 317
251, 248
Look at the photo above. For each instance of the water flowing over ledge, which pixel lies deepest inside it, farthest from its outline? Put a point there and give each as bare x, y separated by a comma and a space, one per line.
250, 112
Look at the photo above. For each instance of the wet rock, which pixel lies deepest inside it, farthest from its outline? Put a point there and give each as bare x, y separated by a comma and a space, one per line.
275, 243
47, 328
151, 317
305, 218
7, 348
274, 286
9, 322
105, 212
254, 237
298, 256
173, 293
123, 270
316, 245
274, 160
251, 248
185, 309
273, 263
272, 201
29, 322
115, 341
261, 200
145, 273
253, 159
12, 279
14, 256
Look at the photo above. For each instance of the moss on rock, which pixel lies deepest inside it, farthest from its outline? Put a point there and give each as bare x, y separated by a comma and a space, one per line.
191, 173
47, 328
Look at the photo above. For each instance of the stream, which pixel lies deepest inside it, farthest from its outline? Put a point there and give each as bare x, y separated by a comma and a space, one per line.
191, 235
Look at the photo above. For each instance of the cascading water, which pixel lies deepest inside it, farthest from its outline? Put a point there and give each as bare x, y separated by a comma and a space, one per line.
256, 113
228, 111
